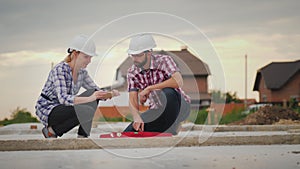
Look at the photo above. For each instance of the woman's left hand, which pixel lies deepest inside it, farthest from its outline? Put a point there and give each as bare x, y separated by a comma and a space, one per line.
101, 94
106, 95
115, 93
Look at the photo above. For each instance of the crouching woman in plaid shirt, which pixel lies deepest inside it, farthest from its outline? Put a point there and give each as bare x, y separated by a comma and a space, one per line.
58, 107
155, 78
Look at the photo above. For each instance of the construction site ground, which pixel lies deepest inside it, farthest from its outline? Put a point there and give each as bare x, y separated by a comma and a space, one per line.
270, 115
196, 146
215, 157
268, 138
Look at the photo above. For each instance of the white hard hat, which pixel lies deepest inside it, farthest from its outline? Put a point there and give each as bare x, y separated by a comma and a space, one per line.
141, 43
84, 44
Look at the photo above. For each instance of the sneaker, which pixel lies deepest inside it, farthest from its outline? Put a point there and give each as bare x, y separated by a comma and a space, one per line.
47, 134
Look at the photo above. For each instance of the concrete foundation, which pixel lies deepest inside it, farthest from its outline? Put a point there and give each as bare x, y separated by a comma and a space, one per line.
16, 139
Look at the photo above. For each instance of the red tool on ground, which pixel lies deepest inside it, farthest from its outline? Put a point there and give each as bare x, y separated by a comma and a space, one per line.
135, 134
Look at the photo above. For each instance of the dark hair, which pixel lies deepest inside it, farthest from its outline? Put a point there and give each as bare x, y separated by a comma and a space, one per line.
69, 50
69, 58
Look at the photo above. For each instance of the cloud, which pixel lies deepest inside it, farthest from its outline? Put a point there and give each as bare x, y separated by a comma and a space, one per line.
24, 58
12, 64
35, 33
30, 26
270, 46
261, 50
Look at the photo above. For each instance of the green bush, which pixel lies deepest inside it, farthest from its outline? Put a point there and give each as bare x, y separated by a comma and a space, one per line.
198, 117
297, 110
19, 116
235, 115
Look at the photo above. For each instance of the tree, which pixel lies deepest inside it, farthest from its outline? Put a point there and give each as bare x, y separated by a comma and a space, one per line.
217, 96
228, 97
232, 98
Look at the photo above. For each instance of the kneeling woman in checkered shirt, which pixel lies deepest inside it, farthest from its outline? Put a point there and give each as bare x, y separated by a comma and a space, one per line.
58, 107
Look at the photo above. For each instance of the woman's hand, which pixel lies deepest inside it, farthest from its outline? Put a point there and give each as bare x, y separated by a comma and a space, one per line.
99, 95
105, 95
115, 93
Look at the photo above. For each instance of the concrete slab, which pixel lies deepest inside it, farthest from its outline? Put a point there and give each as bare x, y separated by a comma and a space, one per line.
20, 137
217, 157
176, 141
24, 129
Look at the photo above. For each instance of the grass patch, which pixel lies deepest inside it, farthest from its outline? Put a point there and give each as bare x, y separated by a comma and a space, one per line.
235, 115
198, 117
19, 116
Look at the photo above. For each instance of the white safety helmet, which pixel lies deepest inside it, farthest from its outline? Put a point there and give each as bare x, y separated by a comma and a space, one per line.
84, 44
141, 43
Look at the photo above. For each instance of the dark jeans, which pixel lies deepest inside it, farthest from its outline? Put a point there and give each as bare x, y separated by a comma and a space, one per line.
168, 117
63, 118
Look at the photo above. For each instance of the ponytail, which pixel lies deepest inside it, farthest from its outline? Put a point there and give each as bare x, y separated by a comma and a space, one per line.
69, 58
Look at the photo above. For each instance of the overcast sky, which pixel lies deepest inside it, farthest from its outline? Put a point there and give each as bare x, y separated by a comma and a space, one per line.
35, 33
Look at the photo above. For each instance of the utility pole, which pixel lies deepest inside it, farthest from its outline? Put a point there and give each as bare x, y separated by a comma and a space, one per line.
52, 65
245, 101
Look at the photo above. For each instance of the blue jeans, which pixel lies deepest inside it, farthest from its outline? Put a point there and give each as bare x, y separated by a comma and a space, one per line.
168, 117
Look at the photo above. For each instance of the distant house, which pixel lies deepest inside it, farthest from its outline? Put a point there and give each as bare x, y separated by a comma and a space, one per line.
194, 72
278, 82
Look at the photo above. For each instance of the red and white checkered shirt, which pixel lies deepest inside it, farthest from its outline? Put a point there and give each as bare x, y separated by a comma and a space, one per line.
161, 68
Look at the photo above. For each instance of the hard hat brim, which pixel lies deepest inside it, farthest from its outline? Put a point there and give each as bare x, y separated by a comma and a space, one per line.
90, 54
134, 52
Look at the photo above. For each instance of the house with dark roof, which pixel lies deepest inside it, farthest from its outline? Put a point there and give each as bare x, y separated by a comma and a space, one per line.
278, 82
194, 72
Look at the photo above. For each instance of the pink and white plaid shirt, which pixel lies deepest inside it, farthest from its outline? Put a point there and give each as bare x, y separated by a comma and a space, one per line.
161, 68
